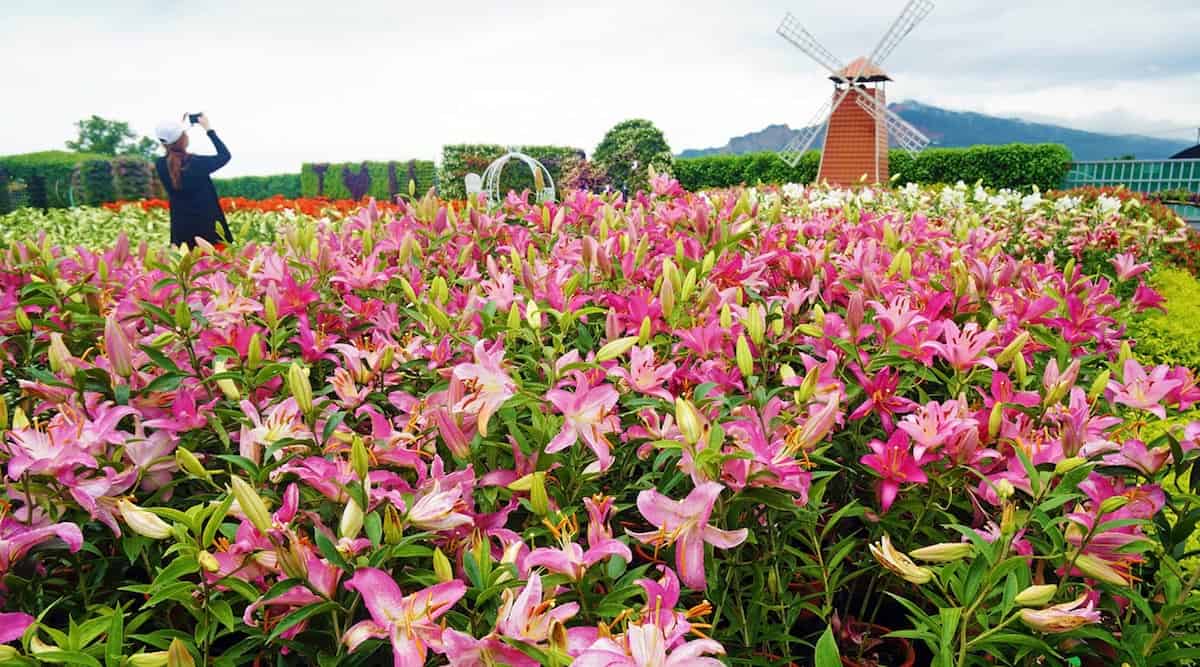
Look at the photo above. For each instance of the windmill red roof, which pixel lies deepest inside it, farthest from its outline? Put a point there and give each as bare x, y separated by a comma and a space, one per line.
865, 70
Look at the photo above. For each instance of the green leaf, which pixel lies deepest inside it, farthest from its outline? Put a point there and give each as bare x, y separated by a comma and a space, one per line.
116, 639
69, 658
299, 615
827, 654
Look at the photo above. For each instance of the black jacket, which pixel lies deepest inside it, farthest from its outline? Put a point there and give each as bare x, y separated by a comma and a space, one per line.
195, 208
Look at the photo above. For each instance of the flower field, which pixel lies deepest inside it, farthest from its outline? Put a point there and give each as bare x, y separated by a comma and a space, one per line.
768, 427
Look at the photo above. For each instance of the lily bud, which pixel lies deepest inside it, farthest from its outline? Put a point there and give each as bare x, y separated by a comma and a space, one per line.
666, 296
818, 315
1099, 384
226, 385
352, 520
1005, 489
1010, 351
178, 655
707, 263
533, 315
777, 326
360, 460
3, 414
689, 284
162, 339
183, 316
254, 352
19, 420
1036, 596
616, 348
393, 528
117, 347
270, 312
1113, 503
1125, 354
439, 290
208, 561
188, 462
297, 380
1099, 569
809, 386
251, 504
943, 552
745, 361
899, 563
670, 272
152, 659
22, 319
755, 323
1068, 464
538, 499
645, 330
1020, 368
995, 419
688, 420
441, 566
142, 521
60, 356
514, 317
726, 317
408, 290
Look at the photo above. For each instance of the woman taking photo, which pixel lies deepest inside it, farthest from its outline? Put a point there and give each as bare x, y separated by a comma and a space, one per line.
195, 208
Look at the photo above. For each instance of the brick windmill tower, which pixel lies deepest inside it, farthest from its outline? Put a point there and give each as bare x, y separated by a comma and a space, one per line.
856, 119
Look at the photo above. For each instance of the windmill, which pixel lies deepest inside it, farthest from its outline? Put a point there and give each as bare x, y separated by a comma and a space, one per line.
858, 120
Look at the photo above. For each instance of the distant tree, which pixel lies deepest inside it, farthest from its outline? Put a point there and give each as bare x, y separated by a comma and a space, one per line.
628, 149
1127, 156
111, 137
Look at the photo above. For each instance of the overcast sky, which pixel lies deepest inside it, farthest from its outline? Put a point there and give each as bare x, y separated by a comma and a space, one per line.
295, 81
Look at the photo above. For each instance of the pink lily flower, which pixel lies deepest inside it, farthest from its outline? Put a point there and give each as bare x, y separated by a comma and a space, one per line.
409, 621
662, 597
1135, 454
13, 624
1141, 391
645, 646
894, 462
571, 560
282, 421
882, 399
525, 616
643, 375
586, 416
489, 385
685, 524
1145, 298
463, 650
963, 349
17, 538
1127, 266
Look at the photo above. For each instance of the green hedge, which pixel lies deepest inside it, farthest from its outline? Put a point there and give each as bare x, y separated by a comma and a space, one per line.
1170, 338
259, 187
5, 197
458, 160
381, 180
47, 174
1016, 166
134, 178
96, 177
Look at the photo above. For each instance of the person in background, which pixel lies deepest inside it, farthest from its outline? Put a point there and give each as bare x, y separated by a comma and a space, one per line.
195, 208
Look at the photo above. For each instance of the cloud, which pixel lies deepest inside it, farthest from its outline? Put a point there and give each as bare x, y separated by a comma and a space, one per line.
288, 82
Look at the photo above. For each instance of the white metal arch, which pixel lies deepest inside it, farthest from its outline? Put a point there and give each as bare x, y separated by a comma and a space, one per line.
491, 177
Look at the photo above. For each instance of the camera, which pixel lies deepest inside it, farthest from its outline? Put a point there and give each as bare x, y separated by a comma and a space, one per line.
194, 118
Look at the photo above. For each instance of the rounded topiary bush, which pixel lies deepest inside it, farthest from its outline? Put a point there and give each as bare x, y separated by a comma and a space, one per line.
628, 149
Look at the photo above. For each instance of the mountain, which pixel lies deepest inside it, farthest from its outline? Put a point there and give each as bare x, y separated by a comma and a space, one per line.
966, 128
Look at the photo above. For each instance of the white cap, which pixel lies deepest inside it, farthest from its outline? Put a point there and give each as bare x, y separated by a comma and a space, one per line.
168, 132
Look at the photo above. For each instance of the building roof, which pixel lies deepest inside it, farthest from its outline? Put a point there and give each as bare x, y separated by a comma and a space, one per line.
866, 70
1192, 153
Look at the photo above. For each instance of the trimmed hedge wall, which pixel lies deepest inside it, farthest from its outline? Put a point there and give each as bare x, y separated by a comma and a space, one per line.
1170, 338
458, 160
52, 171
5, 198
259, 187
1016, 166
355, 180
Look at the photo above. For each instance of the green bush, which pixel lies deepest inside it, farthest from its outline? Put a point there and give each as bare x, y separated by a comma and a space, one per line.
133, 178
1017, 166
5, 198
96, 177
1170, 338
53, 170
381, 180
628, 149
458, 160
259, 187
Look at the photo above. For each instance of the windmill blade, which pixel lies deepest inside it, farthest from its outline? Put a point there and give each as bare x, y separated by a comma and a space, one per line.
910, 138
791, 30
912, 14
803, 140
